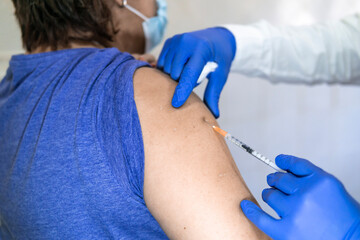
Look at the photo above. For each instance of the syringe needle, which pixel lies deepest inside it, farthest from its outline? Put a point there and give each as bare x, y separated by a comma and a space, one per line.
217, 129
245, 147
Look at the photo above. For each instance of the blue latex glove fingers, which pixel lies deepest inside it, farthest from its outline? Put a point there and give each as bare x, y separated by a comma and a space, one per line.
285, 182
171, 53
179, 63
164, 51
199, 53
213, 90
297, 166
276, 200
179, 49
260, 218
320, 208
317, 207
188, 80
184, 57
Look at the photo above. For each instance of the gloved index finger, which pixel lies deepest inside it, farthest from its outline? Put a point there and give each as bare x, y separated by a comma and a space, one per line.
295, 165
213, 90
188, 80
285, 182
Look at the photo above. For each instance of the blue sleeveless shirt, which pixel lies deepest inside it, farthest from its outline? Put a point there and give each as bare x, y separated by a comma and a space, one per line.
71, 149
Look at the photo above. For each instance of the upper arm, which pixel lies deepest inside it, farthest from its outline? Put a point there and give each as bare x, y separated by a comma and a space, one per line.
192, 185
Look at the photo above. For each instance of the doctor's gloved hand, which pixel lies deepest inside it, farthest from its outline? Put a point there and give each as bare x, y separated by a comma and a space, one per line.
311, 204
185, 55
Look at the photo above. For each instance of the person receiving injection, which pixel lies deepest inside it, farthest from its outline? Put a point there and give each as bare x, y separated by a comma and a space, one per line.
311, 203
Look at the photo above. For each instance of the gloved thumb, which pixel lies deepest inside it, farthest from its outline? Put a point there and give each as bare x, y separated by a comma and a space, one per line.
213, 90
260, 218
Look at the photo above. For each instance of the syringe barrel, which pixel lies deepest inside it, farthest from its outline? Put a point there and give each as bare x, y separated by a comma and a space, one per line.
234, 140
257, 155
266, 161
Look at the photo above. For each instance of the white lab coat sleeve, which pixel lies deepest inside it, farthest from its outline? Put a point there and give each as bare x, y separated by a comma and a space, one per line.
322, 53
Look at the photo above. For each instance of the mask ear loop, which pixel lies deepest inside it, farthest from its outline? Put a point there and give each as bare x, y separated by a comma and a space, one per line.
133, 10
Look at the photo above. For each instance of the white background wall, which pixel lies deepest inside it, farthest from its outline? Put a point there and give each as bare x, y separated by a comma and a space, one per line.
320, 123
10, 41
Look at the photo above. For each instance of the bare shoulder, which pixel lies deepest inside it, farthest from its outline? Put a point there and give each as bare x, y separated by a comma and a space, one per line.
192, 185
157, 88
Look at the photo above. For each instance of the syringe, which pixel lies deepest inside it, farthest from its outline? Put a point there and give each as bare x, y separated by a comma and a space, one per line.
245, 147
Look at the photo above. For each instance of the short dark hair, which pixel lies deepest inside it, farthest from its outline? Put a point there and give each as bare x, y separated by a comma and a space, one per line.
53, 23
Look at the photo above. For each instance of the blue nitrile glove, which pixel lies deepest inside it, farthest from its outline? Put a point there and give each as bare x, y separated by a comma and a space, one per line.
311, 204
184, 57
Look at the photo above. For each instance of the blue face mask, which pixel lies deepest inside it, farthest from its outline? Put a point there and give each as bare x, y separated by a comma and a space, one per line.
154, 28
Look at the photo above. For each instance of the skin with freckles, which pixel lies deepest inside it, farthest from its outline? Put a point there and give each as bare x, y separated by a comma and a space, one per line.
192, 185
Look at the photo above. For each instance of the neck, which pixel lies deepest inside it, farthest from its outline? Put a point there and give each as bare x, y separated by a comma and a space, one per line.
71, 45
